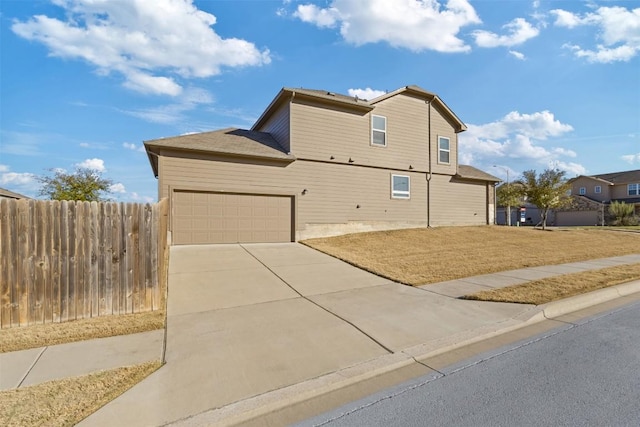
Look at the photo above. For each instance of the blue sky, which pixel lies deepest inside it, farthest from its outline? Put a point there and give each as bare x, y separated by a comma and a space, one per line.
538, 83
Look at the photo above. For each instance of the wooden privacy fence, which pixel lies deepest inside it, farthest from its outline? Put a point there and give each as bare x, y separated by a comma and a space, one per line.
65, 260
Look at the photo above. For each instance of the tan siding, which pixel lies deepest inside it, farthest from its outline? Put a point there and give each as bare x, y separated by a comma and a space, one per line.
441, 127
333, 195
589, 185
319, 133
620, 191
278, 127
457, 202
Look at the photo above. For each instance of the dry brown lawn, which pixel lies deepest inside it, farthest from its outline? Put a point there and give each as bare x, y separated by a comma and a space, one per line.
32, 336
421, 256
67, 402
559, 287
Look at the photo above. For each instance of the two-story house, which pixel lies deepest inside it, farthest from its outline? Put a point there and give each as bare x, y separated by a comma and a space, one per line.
593, 193
317, 163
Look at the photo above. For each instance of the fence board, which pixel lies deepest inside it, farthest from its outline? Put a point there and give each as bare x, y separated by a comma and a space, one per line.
71, 268
5, 264
13, 265
40, 263
32, 248
62, 261
48, 227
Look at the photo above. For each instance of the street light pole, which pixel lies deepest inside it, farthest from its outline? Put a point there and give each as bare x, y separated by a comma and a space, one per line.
508, 193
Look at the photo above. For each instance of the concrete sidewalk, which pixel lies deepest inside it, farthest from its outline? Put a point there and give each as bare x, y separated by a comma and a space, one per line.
254, 327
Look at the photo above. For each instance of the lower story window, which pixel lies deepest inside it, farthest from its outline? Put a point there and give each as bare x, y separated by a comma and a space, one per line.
400, 187
633, 189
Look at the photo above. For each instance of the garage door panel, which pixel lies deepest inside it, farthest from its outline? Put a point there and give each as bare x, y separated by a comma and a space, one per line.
200, 218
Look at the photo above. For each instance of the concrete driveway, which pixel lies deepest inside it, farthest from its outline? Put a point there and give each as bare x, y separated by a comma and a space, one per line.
247, 319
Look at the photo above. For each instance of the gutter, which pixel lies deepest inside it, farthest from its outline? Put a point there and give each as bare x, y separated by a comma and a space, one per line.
429, 170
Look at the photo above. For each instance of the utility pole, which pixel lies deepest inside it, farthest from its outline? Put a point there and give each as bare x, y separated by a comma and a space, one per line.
508, 192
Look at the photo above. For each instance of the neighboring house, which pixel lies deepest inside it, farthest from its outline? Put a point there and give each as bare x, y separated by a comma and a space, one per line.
318, 163
6, 194
592, 195
532, 215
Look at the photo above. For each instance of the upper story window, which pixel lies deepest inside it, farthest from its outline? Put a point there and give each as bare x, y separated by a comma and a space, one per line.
400, 187
379, 131
444, 150
633, 189
597, 189
583, 191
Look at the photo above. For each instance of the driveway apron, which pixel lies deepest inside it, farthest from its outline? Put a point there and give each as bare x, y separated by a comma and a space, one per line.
244, 320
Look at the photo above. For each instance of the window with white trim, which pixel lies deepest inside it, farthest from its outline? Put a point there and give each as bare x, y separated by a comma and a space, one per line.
400, 187
583, 191
444, 150
379, 131
597, 189
633, 189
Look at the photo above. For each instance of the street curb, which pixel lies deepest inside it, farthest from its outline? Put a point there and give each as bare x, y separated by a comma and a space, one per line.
264, 404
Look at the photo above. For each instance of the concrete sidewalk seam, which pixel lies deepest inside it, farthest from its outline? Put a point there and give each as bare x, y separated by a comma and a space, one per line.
316, 304
32, 366
233, 414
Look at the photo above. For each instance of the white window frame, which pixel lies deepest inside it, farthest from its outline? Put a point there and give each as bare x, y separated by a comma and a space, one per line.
597, 189
442, 150
384, 131
400, 194
633, 189
582, 191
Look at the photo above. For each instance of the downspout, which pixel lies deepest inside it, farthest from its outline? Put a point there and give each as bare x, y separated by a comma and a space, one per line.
429, 170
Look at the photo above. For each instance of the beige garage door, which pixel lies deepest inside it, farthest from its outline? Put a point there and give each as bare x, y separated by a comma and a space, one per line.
568, 218
201, 218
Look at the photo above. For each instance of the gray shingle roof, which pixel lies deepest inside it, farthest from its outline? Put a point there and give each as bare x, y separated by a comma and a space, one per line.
230, 141
12, 195
469, 172
620, 177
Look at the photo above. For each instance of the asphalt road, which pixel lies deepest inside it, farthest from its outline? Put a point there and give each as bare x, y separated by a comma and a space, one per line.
584, 374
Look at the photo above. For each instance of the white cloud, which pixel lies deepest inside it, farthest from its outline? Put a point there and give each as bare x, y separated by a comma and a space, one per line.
174, 112
412, 24
117, 188
367, 93
16, 178
321, 17
517, 137
518, 32
84, 145
632, 158
539, 125
618, 33
138, 198
93, 164
20, 182
134, 147
151, 44
517, 55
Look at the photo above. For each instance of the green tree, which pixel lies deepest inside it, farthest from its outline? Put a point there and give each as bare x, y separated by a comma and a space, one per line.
622, 212
510, 194
547, 190
83, 184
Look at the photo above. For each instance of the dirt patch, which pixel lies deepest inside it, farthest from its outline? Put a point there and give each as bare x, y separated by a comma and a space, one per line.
422, 256
32, 336
67, 402
559, 287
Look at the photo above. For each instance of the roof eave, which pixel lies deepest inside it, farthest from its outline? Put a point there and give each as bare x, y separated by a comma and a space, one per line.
150, 152
431, 97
